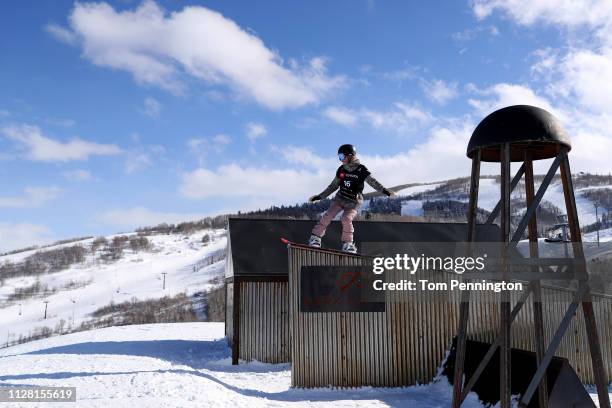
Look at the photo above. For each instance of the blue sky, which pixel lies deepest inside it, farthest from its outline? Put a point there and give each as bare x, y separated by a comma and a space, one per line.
121, 114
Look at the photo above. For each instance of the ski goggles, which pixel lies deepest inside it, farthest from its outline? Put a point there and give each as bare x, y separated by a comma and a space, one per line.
341, 156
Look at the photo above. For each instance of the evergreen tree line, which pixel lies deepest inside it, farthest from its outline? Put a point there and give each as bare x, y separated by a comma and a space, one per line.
217, 222
306, 211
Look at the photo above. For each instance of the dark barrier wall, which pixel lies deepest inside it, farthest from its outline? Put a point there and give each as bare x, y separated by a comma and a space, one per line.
255, 247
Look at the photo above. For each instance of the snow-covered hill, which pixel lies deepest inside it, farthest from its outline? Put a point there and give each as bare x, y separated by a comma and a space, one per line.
488, 196
74, 293
182, 365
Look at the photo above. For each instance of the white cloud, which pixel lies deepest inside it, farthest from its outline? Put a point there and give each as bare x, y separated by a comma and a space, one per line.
400, 74
196, 142
255, 131
132, 218
341, 115
78, 175
439, 91
471, 33
589, 132
157, 149
421, 163
577, 78
570, 13
402, 118
42, 148
306, 157
32, 197
501, 95
216, 144
221, 139
441, 156
142, 157
202, 147
151, 107
262, 184
159, 48
580, 74
136, 161
590, 152
585, 76
62, 34
23, 235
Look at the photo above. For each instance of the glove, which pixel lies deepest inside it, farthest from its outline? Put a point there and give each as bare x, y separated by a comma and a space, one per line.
388, 193
314, 198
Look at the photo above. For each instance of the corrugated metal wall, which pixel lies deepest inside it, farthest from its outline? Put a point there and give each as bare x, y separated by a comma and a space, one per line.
264, 322
406, 344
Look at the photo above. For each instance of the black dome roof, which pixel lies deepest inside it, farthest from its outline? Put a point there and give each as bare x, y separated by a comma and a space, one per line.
525, 127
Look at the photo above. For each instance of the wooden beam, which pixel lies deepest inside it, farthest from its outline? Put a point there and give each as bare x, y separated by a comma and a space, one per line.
464, 306
599, 370
538, 314
552, 348
515, 181
505, 368
537, 199
485, 360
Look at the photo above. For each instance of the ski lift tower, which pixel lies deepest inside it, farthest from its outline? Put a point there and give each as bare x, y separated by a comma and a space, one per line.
523, 133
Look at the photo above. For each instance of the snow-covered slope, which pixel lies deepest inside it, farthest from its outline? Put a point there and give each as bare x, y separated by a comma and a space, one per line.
586, 209
605, 235
182, 365
137, 274
489, 193
418, 189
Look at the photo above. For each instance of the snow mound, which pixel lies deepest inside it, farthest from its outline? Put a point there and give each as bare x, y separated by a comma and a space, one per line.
182, 365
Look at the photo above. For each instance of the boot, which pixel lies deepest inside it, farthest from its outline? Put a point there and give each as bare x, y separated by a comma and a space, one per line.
349, 247
314, 241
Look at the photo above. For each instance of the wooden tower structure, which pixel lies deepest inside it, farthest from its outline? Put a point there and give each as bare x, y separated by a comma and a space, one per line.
523, 133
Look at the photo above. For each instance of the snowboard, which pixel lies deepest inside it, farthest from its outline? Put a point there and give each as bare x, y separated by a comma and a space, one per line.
328, 250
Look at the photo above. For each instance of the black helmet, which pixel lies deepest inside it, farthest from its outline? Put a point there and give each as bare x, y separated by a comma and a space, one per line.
347, 149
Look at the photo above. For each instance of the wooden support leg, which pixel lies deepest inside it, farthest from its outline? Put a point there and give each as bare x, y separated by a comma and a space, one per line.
489, 355
587, 305
464, 307
505, 346
515, 180
538, 315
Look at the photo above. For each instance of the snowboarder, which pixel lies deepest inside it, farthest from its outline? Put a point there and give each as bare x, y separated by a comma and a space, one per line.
349, 179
